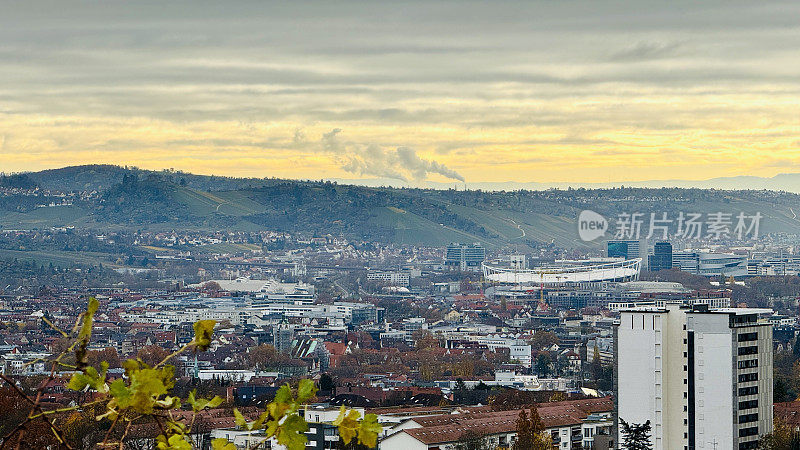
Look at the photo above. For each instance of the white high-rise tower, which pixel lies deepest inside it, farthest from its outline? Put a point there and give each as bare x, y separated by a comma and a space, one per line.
703, 378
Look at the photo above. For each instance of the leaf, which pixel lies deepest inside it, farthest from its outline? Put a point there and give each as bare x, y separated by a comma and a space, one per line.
282, 403
175, 442
120, 392
190, 399
214, 402
78, 382
239, 418
168, 402
284, 394
258, 423
368, 430
147, 386
222, 444
306, 390
174, 427
86, 327
292, 433
90, 378
203, 329
272, 428
199, 404
347, 423
242, 422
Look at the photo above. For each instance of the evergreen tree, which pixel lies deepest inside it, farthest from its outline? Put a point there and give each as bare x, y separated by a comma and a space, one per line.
471, 440
326, 383
636, 436
524, 433
541, 439
531, 434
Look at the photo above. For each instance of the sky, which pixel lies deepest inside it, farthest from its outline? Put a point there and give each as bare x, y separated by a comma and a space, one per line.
523, 91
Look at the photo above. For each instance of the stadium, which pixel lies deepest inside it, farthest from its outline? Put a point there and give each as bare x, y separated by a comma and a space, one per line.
566, 272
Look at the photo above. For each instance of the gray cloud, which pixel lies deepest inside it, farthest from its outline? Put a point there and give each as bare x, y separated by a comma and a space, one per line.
331, 142
645, 51
299, 137
451, 65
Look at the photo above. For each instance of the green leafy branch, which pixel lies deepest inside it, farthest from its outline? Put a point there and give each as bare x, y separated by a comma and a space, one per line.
145, 394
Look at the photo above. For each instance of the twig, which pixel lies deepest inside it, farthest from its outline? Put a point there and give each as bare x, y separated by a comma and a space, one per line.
175, 353
35, 407
125, 434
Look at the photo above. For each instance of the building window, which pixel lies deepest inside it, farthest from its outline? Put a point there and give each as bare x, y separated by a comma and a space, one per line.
745, 432
747, 418
748, 404
746, 377
752, 350
748, 364
747, 337
751, 390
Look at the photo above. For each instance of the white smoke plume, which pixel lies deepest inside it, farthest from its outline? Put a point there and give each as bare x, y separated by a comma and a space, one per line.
401, 163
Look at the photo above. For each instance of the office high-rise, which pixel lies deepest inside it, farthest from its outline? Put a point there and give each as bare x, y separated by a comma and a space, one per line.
627, 249
661, 259
464, 257
703, 378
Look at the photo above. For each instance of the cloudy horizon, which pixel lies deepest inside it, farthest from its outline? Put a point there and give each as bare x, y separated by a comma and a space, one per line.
436, 91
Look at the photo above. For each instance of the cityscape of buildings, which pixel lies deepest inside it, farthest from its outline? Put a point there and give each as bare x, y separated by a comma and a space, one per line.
443, 343
375, 225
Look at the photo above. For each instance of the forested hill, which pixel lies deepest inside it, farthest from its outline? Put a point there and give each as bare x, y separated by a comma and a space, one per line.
110, 196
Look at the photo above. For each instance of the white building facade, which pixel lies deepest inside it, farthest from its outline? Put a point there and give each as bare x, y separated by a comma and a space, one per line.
702, 377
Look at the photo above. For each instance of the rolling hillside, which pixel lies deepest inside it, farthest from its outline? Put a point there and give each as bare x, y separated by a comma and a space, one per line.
136, 199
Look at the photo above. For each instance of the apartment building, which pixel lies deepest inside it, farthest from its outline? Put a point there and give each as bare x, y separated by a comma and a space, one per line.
701, 376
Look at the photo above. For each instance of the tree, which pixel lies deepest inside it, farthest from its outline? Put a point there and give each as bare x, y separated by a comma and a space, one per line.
212, 286
780, 391
543, 339
152, 354
108, 354
147, 393
541, 440
531, 434
471, 440
462, 394
524, 439
781, 438
636, 436
543, 364
424, 339
326, 383
264, 356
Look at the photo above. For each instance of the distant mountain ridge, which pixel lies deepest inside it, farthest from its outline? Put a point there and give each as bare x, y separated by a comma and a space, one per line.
132, 198
789, 182
100, 177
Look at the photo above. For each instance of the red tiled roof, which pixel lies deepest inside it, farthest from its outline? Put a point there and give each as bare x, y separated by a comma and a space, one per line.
336, 348
450, 427
788, 412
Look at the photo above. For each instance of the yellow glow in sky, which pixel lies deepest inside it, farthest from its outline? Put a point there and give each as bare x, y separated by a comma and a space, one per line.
525, 92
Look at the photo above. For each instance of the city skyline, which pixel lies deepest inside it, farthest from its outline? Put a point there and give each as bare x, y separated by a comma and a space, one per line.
443, 92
